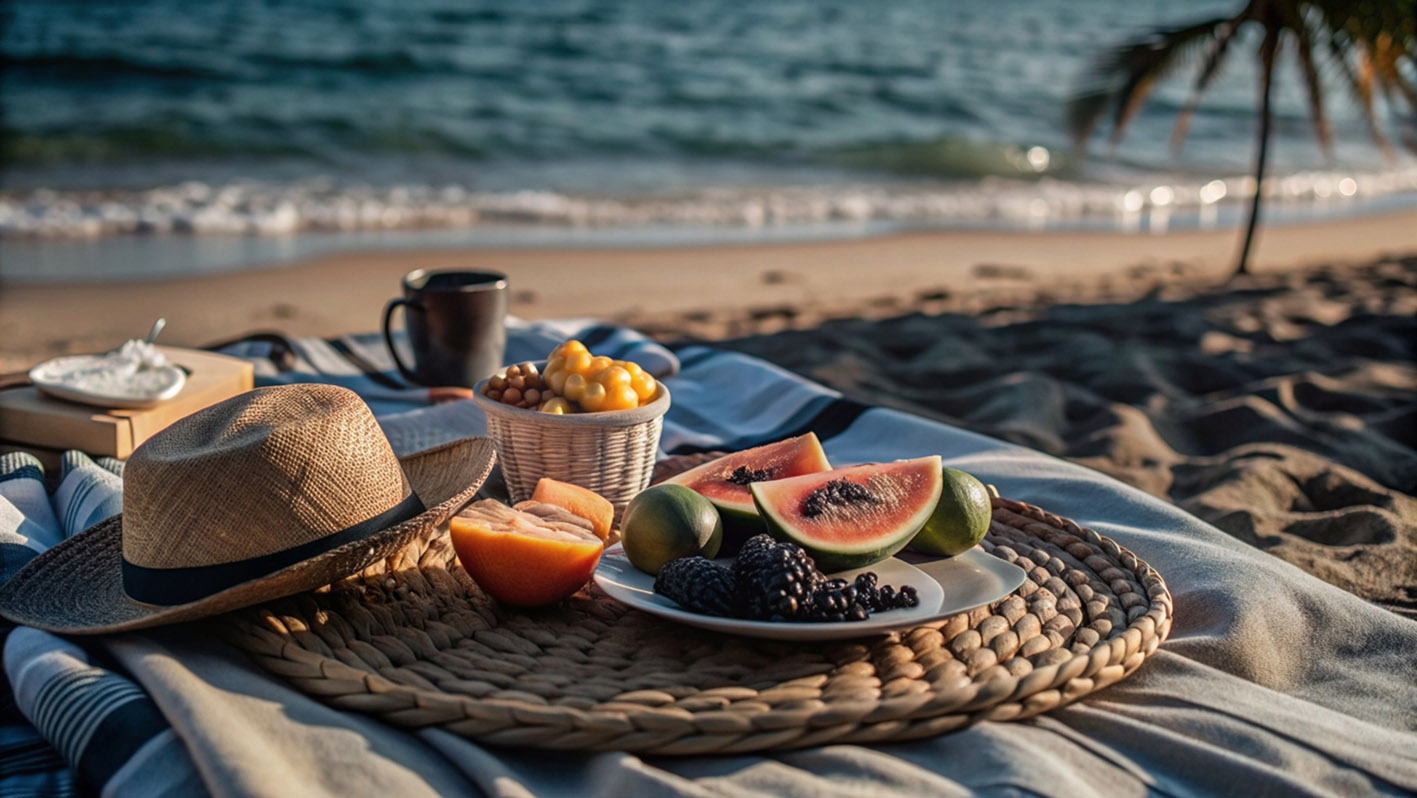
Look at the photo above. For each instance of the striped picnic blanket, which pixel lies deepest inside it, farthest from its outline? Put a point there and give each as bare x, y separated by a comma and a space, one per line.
1272, 682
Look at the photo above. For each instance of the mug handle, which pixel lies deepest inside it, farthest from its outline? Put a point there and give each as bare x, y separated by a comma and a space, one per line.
389, 337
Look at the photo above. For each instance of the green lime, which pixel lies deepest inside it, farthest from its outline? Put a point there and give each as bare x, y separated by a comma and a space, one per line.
667, 522
960, 519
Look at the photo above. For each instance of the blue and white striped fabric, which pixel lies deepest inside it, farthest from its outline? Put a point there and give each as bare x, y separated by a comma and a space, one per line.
765, 403
88, 492
99, 721
95, 720
27, 522
29, 765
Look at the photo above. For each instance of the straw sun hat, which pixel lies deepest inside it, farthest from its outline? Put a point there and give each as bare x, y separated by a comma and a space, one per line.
267, 494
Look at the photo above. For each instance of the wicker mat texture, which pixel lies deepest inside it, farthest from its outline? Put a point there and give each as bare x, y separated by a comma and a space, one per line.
415, 642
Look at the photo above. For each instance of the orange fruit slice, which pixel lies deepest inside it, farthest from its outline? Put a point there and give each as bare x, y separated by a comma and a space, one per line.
577, 500
523, 563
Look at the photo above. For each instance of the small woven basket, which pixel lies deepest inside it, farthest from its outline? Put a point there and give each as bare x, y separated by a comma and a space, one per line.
611, 452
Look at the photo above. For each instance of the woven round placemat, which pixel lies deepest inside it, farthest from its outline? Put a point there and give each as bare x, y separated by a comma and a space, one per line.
416, 643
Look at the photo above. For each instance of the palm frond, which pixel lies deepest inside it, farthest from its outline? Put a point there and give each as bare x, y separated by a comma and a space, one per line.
1387, 58
1209, 69
1390, 70
1305, 53
1122, 78
1360, 81
1371, 41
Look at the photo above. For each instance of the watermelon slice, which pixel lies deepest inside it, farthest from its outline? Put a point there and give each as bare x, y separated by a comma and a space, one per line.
852, 517
725, 481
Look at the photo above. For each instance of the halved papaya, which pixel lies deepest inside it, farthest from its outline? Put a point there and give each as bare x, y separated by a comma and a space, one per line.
578, 501
521, 559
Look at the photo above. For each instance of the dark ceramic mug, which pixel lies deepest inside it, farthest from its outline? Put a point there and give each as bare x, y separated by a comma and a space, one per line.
455, 323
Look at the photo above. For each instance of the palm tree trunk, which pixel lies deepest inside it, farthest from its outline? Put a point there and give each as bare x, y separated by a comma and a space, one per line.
1267, 55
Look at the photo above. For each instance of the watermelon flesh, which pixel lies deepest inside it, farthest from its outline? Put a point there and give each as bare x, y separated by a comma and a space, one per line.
855, 516
726, 481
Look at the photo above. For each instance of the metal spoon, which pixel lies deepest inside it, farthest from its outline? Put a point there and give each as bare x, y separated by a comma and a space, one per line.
157, 328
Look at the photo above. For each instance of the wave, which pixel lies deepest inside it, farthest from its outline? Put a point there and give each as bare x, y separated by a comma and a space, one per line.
174, 139
177, 138
254, 208
171, 139
106, 67
955, 157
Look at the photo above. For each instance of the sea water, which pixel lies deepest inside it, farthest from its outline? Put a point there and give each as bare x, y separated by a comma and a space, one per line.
252, 130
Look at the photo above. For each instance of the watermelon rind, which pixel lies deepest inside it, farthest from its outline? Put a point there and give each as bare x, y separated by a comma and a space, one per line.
780, 504
740, 515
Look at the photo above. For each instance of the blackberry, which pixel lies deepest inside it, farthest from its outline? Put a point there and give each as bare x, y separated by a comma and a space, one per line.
699, 585
885, 598
907, 597
776, 580
837, 600
888, 598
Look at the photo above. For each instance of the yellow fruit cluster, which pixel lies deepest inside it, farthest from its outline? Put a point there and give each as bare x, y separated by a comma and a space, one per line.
590, 383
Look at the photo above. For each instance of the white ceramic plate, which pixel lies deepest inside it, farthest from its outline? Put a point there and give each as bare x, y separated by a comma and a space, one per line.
49, 378
946, 587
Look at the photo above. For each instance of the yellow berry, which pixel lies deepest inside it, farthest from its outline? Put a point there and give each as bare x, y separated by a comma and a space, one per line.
554, 363
599, 363
630, 366
613, 377
569, 347
620, 397
644, 386
578, 363
557, 380
575, 387
593, 398
557, 406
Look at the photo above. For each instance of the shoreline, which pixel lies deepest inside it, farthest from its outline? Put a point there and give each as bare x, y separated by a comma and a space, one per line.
301, 218
159, 255
345, 292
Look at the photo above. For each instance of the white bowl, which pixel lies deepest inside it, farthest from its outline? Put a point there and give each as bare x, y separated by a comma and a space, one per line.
53, 377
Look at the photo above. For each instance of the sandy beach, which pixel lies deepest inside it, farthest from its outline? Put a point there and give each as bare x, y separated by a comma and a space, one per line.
698, 290
1280, 407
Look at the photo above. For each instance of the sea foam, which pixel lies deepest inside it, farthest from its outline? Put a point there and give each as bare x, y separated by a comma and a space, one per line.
255, 208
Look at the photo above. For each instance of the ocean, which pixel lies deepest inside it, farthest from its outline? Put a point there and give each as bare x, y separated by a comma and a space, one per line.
177, 136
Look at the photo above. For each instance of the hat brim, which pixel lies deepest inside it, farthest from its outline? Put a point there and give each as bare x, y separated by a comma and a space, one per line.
76, 587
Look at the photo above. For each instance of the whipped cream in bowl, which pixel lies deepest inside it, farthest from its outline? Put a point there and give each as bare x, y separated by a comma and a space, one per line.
135, 375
